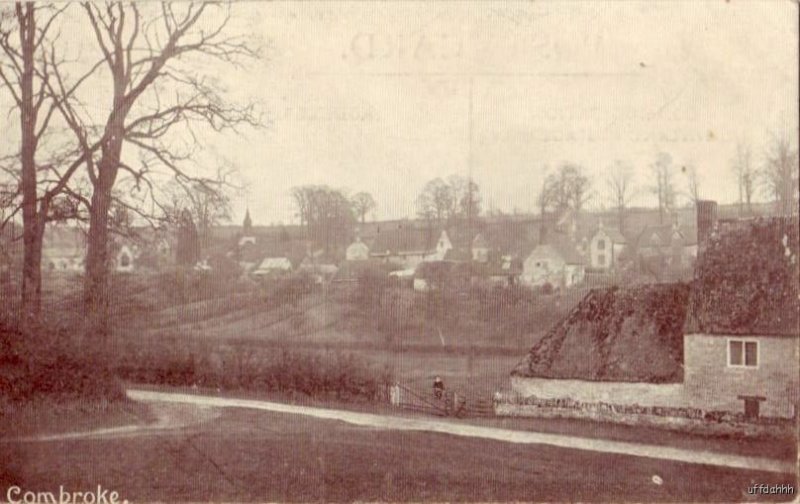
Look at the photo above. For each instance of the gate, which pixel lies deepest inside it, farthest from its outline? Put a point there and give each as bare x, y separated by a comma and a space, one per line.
452, 403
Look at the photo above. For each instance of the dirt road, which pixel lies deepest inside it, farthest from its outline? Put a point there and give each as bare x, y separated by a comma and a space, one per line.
388, 422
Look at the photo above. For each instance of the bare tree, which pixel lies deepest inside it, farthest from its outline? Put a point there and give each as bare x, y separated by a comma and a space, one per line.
154, 89
466, 196
326, 212
692, 183
779, 177
29, 62
568, 188
301, 197
207, 201
621, 186
437, 202
663, 188
363, 203
744, 170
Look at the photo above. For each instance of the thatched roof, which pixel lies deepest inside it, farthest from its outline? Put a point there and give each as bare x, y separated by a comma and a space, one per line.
630, 335
746, 281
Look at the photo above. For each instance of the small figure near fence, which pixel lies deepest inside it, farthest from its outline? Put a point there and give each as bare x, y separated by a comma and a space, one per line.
438, 387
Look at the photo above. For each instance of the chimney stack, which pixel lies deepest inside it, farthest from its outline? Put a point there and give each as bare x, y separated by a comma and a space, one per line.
706, 221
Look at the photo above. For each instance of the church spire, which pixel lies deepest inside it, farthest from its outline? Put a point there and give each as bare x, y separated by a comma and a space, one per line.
248, 223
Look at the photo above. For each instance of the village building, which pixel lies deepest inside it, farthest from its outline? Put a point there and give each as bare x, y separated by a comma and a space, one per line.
505, 273
556, 263
272, 267
605, 247
728, 344
124, 259
407, 246
480, 249
665, 248
357, 251
63, 249
742, 334
319, 266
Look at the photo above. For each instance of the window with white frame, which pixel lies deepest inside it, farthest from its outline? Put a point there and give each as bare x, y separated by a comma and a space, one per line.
742, 353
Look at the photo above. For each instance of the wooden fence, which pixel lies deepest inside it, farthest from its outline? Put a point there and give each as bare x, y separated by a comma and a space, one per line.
452, 403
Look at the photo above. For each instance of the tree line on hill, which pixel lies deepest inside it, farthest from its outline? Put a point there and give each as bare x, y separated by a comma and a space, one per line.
329, 214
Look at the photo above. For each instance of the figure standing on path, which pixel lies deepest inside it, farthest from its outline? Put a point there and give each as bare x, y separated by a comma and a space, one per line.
438, 387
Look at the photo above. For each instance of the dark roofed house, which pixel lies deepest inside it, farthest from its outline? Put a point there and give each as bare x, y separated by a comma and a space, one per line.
353, 271
408, 246
251, 254
622, 335
726, 344
742, 343
666, 250
556, 262
505, 272
606, 246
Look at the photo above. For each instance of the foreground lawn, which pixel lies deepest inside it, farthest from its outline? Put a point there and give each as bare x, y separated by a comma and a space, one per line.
257, 456
47, 417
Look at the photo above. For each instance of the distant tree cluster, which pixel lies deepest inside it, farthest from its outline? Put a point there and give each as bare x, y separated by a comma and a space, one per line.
363, 203
568, 188
441, 201
326, 213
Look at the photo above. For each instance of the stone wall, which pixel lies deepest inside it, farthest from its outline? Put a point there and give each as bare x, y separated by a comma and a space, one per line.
644, 394
711, 384
684, 419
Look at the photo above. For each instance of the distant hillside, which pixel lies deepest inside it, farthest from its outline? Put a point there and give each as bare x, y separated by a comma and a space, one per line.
631, 335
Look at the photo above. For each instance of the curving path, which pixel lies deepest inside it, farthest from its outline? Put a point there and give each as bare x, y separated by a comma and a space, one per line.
459, 429
168, 417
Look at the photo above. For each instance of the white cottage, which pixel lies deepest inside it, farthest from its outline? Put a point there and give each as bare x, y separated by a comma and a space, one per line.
357, 251
557, 264
605, 247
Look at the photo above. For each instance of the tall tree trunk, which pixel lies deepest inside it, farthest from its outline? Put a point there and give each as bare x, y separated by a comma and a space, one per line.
96, 286
32, 261
96, 289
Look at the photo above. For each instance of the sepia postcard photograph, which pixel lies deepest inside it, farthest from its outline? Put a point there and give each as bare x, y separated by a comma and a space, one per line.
399, 251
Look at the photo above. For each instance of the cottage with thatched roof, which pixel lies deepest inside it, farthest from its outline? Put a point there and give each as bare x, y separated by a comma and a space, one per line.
728, 343
742, 334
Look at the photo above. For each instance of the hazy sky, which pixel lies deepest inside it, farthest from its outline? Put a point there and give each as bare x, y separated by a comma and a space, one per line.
376, 97
382, 97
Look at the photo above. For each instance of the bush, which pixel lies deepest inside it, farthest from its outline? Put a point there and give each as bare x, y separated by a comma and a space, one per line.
314, 375
49, 366
290, 289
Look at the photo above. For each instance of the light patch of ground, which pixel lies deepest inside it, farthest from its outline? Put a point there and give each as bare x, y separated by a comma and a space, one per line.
388, 422
168, 417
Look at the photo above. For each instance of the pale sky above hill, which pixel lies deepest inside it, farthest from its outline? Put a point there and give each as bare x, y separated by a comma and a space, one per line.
377, 96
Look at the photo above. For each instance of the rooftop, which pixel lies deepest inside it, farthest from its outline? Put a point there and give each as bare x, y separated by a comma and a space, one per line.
746, 281
629, 335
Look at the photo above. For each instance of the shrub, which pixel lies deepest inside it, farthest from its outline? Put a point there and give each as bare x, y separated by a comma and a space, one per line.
239, 367
290, 289
50, 366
